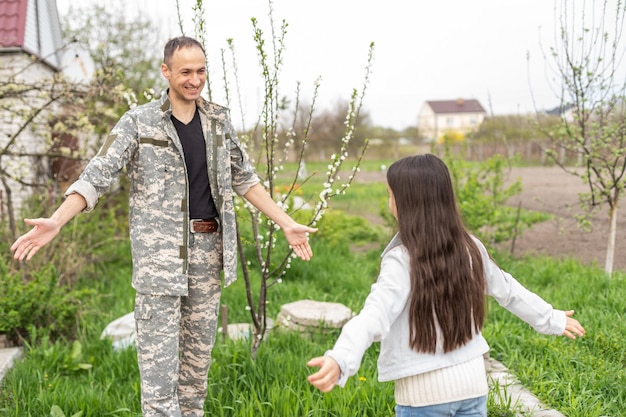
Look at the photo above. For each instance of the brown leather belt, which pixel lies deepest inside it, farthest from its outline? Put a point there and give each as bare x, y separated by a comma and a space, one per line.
203, 226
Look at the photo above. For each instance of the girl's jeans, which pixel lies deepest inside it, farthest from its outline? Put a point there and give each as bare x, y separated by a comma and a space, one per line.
474, 407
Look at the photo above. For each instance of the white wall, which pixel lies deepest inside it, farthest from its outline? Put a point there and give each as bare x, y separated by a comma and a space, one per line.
20, 70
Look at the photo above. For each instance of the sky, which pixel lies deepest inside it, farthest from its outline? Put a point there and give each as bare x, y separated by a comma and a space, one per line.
494, 51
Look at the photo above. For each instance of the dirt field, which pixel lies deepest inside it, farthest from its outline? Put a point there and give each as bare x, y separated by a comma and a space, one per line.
554, 191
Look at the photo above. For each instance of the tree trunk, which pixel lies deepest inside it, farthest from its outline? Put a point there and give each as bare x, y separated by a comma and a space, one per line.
610, 249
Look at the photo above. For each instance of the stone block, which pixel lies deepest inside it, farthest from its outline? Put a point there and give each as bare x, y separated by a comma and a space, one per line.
305, 315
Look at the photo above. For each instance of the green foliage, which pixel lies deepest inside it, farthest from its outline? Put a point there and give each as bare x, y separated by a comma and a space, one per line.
482, 192
124, 50
500, 403
85, 241
339, 227
506, 128
287, 393
263, 257
56, 411
40, 303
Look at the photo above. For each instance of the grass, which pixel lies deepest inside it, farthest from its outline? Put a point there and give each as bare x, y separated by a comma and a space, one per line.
583, 378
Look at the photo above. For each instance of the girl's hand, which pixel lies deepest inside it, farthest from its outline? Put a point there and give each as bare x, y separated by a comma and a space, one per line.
326, 378
572, 326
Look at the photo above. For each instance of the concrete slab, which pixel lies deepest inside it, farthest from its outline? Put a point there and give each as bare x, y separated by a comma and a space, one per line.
238, 331
513, 392
8, 356
307, 314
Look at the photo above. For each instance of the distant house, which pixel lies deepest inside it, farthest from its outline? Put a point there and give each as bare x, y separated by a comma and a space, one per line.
32, 53
564, 111
452, 117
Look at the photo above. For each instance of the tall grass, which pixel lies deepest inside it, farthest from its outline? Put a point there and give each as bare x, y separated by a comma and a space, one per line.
582, 378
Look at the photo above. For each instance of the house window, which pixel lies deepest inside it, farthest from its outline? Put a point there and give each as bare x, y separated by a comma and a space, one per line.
450, 121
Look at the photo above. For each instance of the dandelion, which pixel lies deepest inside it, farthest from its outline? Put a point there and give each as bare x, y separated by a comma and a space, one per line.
362, 378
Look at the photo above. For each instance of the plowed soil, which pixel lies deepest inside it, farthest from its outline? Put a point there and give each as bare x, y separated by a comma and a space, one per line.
555, 191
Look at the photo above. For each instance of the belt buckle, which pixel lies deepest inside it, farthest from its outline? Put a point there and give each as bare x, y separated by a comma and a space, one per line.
191, 224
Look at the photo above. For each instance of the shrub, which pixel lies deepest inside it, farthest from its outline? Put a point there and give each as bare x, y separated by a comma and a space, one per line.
482, 192
39, 303
337, 226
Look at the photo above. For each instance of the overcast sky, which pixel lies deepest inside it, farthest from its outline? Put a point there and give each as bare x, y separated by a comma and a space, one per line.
490, 50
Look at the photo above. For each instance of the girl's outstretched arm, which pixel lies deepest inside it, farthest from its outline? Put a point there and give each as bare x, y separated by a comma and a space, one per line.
326, 378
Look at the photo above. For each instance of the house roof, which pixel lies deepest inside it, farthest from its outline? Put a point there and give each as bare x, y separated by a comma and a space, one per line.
12, 22
33, 27
455, 106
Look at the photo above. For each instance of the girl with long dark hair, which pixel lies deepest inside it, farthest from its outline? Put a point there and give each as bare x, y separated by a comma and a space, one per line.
427, 307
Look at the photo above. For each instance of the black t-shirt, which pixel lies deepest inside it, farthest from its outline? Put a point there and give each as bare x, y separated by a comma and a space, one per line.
201, 204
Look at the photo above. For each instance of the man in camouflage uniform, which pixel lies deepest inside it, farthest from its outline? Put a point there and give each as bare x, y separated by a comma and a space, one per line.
184, 161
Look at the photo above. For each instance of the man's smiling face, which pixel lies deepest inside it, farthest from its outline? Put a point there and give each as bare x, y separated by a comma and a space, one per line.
186, 74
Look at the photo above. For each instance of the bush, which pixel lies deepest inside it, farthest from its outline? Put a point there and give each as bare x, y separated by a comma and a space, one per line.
40, 303
337, 226
482, 193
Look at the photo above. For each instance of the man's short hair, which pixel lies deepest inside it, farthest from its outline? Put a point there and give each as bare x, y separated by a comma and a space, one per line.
177, 43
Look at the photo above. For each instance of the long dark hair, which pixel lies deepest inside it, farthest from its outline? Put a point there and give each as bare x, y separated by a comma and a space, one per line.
446, 269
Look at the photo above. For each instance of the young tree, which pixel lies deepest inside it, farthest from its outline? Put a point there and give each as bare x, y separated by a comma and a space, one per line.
123, 48
272, 261
269, 153
590, 83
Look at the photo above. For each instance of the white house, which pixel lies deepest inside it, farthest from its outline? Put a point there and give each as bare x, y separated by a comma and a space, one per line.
440, 117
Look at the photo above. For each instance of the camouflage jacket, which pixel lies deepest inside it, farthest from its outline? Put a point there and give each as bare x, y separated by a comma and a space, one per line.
145, 143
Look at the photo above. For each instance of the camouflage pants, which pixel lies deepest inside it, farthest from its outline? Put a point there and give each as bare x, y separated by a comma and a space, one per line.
175, 336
